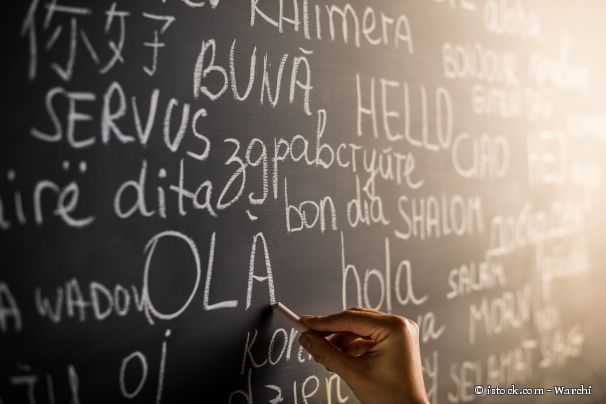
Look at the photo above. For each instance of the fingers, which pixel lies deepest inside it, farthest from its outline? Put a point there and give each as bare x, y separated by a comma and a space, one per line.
342, 339
363, 323
366, 309
327, 354
359, 347
352, 344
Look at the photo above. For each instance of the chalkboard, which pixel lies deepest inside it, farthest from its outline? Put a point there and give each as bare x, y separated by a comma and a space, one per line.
170, 168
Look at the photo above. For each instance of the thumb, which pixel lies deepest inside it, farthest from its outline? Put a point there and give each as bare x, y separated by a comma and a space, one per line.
327, 354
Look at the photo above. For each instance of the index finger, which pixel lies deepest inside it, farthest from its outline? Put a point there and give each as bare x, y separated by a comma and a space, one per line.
363, 323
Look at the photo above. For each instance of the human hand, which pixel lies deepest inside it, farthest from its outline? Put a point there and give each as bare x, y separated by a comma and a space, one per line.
376, 354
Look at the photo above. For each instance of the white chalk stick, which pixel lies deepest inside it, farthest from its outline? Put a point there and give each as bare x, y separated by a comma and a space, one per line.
291, 317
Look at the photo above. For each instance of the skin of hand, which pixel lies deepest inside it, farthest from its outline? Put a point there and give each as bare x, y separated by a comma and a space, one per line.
376, 354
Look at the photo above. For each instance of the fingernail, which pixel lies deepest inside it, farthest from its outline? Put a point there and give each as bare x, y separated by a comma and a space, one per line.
305, 340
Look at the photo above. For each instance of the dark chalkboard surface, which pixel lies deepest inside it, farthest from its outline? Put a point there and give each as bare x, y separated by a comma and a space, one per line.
169, 169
